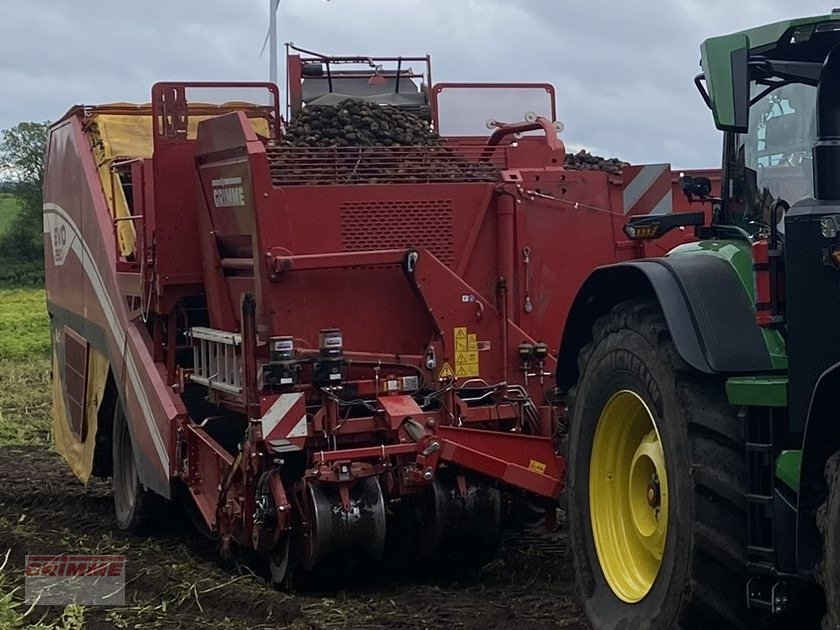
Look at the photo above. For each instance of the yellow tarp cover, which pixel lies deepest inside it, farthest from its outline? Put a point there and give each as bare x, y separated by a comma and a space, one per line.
79, 454
117, 136
120, 136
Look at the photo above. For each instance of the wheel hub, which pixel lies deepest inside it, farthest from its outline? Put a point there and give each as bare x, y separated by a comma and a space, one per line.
653, 493
628, 490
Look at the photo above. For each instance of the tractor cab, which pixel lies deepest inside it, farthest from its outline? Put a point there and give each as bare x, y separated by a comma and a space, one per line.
762, 86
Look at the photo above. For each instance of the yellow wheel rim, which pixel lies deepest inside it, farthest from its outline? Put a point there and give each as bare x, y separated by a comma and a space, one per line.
628, 496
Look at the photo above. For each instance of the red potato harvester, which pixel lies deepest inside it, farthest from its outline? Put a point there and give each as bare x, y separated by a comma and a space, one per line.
320, 349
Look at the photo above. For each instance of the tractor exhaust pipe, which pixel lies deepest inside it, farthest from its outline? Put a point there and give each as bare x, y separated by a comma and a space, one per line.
826, 152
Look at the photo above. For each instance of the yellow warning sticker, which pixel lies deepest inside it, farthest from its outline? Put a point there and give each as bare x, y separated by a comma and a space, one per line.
466, 357
461, 343
466, 371
466, 353
537, 467
446, 371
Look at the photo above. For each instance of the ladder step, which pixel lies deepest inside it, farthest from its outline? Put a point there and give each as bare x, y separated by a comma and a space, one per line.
760, 447
217, 361
759, 498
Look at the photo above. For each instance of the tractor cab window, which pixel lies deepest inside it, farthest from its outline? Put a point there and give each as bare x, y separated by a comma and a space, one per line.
773, 160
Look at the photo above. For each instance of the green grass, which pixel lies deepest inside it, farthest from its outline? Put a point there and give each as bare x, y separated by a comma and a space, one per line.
25, 397
8, 210
24, 326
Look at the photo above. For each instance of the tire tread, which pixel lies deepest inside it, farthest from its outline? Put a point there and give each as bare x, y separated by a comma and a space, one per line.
715, 593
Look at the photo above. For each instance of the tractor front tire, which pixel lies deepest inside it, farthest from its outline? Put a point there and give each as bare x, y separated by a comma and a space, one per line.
137, 508
656, 482
828, 519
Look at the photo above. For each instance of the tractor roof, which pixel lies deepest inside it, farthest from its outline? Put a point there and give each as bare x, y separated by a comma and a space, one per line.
725, 59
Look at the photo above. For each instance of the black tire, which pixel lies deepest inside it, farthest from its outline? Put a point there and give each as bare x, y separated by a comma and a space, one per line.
828, 520
701, 579
137, 508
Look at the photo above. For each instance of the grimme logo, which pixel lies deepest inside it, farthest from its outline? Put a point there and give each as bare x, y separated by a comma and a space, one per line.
228, 192
78, 566
75, 579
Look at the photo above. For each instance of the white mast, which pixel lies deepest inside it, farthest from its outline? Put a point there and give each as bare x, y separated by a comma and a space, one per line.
272, 39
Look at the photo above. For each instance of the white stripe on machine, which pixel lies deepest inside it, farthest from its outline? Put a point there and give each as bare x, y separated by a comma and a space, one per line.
56, 218
648, 177
281, 411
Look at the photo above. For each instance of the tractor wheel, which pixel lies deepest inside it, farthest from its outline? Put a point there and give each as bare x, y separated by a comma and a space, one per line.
136, 507
656, 483
828, 519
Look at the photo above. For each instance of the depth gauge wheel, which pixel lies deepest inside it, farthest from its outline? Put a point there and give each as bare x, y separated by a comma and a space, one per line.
828, 519
656, 483
334, 536
278, 560
136, 507
451, 523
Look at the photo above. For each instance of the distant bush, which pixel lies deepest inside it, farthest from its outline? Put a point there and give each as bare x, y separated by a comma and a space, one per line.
21, 274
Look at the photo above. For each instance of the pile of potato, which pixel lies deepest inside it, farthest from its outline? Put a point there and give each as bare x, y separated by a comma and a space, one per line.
380, 143
585, 161
358, 123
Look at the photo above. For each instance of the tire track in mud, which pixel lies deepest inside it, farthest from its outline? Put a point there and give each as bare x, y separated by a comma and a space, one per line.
176, 579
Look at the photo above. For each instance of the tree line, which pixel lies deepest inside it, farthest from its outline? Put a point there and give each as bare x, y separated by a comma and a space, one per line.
22, 161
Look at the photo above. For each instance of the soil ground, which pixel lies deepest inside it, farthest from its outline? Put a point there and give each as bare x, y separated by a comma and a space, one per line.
177, 580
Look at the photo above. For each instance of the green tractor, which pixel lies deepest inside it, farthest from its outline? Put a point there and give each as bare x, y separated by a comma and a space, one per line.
704, 386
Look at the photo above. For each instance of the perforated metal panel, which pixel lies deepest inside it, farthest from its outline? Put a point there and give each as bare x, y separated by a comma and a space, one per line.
400, 223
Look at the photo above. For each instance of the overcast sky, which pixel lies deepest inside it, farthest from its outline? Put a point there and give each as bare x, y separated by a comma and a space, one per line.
623, 70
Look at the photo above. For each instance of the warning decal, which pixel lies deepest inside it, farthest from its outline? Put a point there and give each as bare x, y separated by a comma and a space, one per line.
536, 466
446, 371
466, 353
472, 344
461, 339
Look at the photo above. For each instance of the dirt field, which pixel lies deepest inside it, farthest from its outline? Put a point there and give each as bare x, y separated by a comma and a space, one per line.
177, 581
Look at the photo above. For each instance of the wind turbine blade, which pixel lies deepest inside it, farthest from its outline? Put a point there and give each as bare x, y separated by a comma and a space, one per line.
265, 43
275, 4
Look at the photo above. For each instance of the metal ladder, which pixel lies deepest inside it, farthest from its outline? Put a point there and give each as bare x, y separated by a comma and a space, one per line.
766, 589
217, 359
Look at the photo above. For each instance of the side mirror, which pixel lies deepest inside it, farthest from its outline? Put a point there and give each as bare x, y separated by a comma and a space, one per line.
699, 187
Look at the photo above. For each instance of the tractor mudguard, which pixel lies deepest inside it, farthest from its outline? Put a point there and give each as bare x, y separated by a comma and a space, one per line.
821, 441
707, 309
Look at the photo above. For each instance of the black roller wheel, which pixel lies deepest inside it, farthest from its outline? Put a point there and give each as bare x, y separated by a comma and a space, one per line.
137, 508
828, 519
278, 560
656, 483
271, 544
334, 536
466, 525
